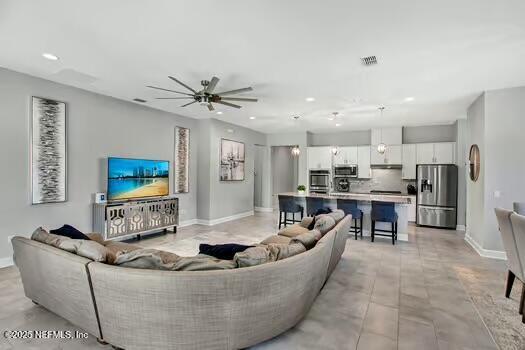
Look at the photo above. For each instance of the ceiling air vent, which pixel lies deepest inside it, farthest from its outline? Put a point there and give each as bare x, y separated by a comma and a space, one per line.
369, 60
139, 100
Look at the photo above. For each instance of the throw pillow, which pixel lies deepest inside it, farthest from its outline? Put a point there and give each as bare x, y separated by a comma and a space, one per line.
306, 221
115, 248
324, 223
337, 214
86, 248
252, 257
292, 231
69, 231
324, 210
282, 251
308, 239
276, 239
222, 251
97, 237
42, 236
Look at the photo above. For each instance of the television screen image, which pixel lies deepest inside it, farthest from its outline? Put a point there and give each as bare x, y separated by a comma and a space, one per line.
137, 178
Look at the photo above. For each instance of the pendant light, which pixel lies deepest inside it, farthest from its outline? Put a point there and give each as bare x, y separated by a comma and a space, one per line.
296, 151
335, 150
381, 148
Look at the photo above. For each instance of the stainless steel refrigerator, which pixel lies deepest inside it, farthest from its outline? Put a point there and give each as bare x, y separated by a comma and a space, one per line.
437, 193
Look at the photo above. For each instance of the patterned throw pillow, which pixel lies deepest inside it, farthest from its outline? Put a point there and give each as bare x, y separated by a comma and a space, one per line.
324, 223
252, 257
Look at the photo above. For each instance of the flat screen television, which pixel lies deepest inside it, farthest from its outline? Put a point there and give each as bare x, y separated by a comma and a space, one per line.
137, 178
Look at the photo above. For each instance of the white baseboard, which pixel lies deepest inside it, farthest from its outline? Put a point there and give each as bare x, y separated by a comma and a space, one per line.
224, 219
263, 209
486, 253
188, 223
461, 228
6, 262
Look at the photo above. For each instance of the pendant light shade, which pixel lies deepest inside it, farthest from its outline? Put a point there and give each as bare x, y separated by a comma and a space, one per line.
335, 150
381, 148
296, 151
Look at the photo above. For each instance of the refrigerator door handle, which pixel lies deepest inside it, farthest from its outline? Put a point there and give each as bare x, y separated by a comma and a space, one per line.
440, 208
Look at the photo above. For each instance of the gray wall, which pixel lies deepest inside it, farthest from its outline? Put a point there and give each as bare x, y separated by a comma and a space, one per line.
430, 133
98, 127
347, 138
462, 158
226, 198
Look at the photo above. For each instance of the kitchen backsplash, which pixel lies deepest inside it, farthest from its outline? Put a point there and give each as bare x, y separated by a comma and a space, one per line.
382, 179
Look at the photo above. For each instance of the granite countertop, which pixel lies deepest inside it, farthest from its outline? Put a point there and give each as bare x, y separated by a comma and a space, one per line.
365, 197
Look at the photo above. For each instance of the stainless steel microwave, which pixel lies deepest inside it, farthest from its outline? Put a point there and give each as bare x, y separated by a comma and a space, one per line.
345, 170
319, 181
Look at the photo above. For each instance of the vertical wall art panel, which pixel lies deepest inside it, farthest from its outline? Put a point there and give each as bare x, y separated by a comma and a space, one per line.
182, 160
48, 151
232, 160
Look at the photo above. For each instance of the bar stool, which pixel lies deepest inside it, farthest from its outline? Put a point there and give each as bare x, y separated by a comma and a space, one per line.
288, 205
384, 212
349, 206
313, 204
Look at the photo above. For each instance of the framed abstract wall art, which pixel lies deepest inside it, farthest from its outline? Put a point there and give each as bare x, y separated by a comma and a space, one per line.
232, 160
182, 160
48, 151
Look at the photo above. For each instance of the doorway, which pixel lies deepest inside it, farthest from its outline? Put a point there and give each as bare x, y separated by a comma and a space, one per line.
285, 172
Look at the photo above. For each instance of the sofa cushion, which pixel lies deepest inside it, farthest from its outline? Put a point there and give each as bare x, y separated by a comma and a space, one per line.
161, 260
222, 251
337, 214
324, 223
86, 248
279, 251
308, 239
292, 231
252, 256
42, 236
115, 248
277, 239
69, 231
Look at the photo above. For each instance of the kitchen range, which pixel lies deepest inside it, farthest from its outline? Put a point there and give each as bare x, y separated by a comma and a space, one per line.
342, 176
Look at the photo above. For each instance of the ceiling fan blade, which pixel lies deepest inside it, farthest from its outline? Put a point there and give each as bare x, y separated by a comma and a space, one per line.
159, 88
173, 98
239, 99
228, 104
181, 83
233, 92
210, 107
211, 86
187, 104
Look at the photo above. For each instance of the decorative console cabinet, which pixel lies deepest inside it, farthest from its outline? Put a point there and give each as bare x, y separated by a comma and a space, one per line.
135, 218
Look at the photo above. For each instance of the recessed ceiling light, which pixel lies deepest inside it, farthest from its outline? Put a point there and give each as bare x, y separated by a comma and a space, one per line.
219, 112
50, 56
338, 124
310, 99
230, 131
252, 118
409, 99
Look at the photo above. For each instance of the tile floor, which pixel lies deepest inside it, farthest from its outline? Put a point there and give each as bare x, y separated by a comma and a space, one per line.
379, 297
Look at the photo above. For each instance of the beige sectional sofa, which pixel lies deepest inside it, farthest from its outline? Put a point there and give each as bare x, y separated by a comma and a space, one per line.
153, 309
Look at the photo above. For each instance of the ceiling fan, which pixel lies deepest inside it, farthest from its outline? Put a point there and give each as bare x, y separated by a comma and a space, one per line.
206, 95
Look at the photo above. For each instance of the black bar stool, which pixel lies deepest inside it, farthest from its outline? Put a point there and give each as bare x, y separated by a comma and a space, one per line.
384, 212
288, 205
313, 204
349, 206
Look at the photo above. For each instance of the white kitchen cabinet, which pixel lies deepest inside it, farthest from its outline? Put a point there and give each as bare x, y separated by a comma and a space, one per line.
425, 153
363, 162
408, 171
436, 153
319, 157
346, 156
444, 152
388, 136
391, 156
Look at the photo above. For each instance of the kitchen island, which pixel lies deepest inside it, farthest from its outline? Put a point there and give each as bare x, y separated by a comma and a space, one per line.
364, 202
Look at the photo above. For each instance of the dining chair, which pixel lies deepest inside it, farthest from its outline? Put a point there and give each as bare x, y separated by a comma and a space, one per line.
518, 226
289, 205
509, 230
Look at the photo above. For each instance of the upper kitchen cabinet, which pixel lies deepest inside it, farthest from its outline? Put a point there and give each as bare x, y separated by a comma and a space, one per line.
363, 162
388, 136
436, 153
346, 156
408, 172
319, 158
391, 156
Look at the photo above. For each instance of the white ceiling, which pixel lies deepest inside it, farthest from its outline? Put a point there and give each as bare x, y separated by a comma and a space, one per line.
441, 52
